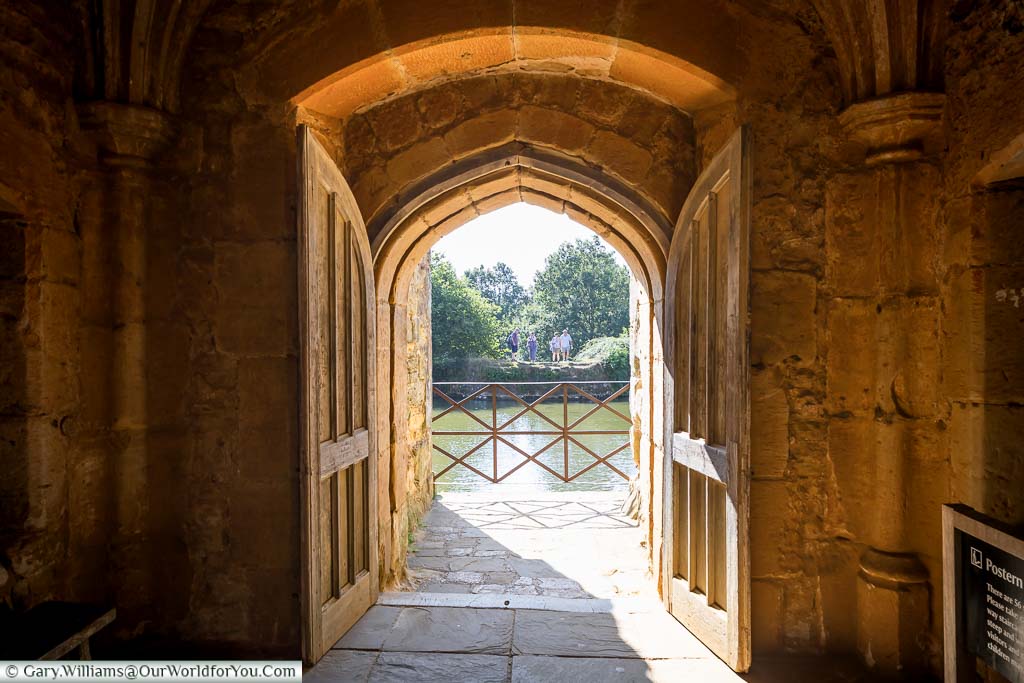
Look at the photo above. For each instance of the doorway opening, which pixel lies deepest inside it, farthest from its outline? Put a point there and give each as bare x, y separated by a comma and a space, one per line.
533, 453
403, 235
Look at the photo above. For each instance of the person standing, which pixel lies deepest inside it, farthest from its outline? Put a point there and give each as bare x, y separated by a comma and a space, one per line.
556, 346
531, 346
513, 343
565, 343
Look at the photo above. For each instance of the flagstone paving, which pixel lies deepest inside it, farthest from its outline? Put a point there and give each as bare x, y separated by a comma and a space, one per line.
550, 587
468, 645
565, 545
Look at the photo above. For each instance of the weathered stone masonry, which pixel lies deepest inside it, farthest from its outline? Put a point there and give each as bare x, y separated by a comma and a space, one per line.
148, 312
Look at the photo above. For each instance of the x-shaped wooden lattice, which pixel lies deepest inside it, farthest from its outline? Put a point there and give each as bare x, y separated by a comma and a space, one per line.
498, 433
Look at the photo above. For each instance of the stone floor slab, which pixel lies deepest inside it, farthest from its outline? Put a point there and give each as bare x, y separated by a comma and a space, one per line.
534, 669
654, 635
405, 667
342, 666
370, 632
447, 629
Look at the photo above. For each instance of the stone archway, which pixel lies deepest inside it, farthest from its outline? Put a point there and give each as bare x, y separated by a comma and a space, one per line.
617, 155
498, 178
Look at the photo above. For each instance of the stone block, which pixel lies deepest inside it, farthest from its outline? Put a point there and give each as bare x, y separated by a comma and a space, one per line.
256, 300
839, 598
618, 155
462, 55
498, 201
986, 452
372, 188
439, 106
167, 372
668, 186
485, 92
417, 161
995, 221
598, 102
360, 145
268, 418
801, 616
983, 315
766, 616
851, 367
851, 447
783, 317
395, 124
890, 622
544, 201
52, 254
257, 208
551, 128
771, 547
769, 424
850, 236
544, 90
264, 528
915, 389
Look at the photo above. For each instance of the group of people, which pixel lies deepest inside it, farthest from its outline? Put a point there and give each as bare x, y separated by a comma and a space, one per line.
560, 345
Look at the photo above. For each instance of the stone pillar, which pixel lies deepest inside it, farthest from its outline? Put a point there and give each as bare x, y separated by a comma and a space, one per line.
892, 287
127, 138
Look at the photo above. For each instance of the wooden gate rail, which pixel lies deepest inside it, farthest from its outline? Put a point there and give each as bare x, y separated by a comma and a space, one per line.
497, 434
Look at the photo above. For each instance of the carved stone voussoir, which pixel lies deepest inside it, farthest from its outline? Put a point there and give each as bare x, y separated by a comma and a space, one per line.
126, 133
896, 128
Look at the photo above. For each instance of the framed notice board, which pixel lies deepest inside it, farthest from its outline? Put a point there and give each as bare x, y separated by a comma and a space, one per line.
982, 596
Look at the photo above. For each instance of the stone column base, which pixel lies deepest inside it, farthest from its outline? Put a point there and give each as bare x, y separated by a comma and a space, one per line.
893, 612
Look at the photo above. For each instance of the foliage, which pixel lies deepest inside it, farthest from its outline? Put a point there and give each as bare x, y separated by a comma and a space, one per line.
464, 323
612, 352
584, 290
492, 370
500, 286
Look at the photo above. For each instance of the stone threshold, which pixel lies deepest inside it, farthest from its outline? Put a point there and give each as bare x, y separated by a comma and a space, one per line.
510, 601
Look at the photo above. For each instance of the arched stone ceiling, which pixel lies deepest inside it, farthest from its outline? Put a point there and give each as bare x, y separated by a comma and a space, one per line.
337, 59
338, 56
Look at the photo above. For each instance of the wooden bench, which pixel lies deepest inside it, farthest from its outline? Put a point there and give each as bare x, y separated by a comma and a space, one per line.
51, 630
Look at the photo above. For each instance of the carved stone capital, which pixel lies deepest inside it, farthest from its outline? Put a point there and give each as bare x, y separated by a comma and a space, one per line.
126, 134
892, 570
896, 128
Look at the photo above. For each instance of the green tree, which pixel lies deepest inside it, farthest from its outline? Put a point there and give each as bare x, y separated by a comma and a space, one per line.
583, 289
500, 286
464, 323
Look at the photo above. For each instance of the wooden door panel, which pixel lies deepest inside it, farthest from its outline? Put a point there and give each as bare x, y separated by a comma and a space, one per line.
707, 366
339, 477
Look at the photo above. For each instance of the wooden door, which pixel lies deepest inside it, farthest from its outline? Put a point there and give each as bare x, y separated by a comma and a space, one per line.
707, 403
339, 541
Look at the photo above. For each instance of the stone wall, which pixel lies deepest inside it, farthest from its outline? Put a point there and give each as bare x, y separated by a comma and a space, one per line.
149, 328
55, 517
420, 476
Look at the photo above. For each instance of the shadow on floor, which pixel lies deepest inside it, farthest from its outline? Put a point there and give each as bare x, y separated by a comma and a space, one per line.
491, 607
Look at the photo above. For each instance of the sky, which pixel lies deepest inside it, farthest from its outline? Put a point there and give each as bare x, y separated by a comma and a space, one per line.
521, 235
